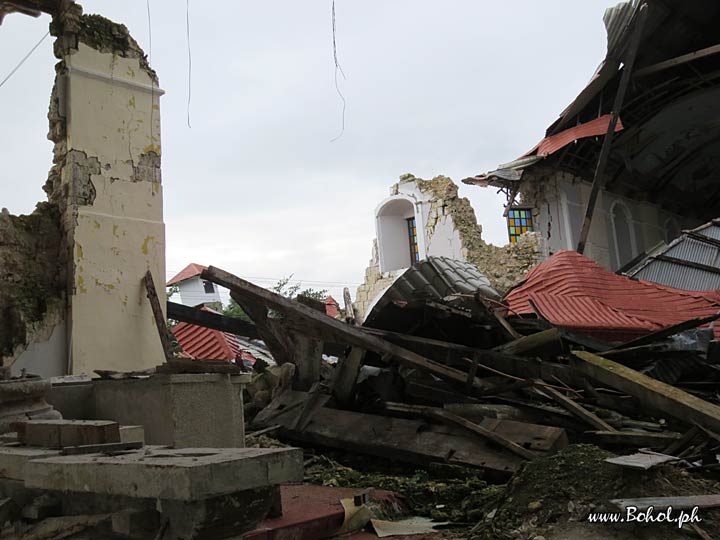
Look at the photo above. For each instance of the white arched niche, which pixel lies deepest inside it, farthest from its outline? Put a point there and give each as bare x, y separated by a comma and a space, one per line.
393, 232
623, 233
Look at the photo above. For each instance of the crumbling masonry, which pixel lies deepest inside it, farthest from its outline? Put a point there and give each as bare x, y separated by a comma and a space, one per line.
89, 247
447, 226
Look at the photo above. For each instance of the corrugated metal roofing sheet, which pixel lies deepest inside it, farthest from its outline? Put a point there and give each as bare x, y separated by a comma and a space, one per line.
594, 128
433, 279
574, 292
691, 248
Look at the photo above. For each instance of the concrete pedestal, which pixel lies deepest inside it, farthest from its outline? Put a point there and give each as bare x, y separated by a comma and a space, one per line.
175, 474
183, 411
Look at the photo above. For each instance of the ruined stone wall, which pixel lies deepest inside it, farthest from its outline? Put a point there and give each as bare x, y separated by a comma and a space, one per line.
450, 228
31, 279
78, 261
105, 123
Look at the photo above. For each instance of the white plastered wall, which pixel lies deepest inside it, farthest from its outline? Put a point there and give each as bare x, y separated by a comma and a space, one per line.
112, 112
560, 210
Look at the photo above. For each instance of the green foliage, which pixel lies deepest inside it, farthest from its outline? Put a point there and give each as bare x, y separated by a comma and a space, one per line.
283, 288
234, 310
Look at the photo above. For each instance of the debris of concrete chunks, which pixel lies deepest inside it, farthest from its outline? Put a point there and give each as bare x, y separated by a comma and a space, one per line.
268, 384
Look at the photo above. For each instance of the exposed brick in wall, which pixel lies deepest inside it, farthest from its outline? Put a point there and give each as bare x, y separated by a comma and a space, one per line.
503, 266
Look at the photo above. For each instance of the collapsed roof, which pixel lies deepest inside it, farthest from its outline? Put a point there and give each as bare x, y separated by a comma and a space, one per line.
667, 147
574, 292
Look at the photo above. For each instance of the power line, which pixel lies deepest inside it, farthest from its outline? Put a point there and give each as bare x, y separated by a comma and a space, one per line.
337, 68
187, 28
14, 70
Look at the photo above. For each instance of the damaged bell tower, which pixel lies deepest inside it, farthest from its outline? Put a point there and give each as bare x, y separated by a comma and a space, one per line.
105, 191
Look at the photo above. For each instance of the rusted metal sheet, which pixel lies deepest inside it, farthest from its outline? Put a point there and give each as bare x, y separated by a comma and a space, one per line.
572, 291
594, 128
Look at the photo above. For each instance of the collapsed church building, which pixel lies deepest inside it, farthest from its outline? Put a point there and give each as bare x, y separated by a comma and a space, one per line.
469, 391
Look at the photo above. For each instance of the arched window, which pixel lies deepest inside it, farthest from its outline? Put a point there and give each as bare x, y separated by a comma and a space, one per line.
399, 234
671, 230
623, 231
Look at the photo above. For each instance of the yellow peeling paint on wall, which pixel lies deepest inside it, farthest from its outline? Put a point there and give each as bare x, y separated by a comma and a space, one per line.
112, 116
144, 247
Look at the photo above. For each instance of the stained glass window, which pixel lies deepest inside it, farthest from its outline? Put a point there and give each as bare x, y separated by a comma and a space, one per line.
412, 237
519, 221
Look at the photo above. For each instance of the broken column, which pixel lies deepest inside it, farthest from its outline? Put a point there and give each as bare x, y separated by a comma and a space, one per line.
443, 224
105, 181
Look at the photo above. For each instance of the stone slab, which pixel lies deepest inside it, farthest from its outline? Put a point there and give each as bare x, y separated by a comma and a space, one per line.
130, 434
14, 458
176, 474
59, 433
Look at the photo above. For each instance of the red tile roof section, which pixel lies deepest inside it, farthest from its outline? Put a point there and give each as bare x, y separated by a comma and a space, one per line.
332, 308
190, 271
572, 291
205, 343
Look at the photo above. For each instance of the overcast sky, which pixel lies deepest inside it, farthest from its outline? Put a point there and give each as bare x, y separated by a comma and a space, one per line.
256, 186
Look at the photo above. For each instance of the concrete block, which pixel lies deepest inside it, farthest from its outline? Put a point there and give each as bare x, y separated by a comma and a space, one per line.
188, 411
59, 433
175, 474
14, 458
130, 434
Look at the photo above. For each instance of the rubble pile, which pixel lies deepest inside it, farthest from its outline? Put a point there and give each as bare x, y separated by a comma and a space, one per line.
534, 408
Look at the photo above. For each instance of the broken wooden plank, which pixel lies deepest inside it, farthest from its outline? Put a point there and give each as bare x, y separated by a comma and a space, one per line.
678, 60
326, 328
633, 438
678, 503
664, 333
349, 309
346, 375
447, 416
410, 441
575, 409
158, 315
650, 393
279, 345
215, 321
676, 446
545, 341
307, 357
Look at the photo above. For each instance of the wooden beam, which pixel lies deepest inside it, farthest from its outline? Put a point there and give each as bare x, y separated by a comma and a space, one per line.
307, 357
321, 325
158, 315
575, 409
346, 375
532, 344
678, 60
598, 178
651, 393
662, 334
208, 319
409, 441
447, 416
268, 331
349, 309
